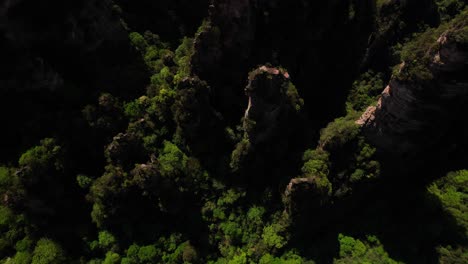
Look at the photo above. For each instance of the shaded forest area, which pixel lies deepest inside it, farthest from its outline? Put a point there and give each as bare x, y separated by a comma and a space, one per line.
234, 131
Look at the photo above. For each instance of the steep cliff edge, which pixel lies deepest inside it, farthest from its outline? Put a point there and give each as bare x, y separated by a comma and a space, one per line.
419, 110
306, 38
271, 127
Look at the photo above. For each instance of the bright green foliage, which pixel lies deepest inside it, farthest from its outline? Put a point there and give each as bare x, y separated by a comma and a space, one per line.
111, 258
138, 41
287, 258
48, 252
366, 165
351, 247
452, 191
353, 251
365, 91
172, 160
106, 240
182, 58
160, 106
84, 181
272, 236
147, 254
243, 234
137, 108
316, 165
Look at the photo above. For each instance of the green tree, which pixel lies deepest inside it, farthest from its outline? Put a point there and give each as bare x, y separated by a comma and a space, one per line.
48, 252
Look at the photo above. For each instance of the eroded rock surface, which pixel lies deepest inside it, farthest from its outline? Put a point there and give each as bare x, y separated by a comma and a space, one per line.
413, 117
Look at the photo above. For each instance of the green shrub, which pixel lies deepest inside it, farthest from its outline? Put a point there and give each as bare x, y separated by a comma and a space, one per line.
240, 154
138, 41
356, 251
106, 240
272, 236
43, 157
147, 254
452, 192
48, 252
450, 8
365, 91
339, 132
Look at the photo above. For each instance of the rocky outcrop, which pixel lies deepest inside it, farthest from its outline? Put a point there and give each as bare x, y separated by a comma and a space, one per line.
395, 20
271, 127
304, 194
227, 36
304, 37
412, 117
125, 148
273, 101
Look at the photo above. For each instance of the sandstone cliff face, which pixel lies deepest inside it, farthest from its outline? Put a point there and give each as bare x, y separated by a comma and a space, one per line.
412, 118
271, 125
304, 37
396, 19
273, 102
302, 195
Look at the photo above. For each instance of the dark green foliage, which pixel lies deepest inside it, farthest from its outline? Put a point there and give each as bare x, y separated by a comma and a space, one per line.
172, 176
418, 53
240, 154
339, 132
41, 159
449, 255
365, 91
449, 8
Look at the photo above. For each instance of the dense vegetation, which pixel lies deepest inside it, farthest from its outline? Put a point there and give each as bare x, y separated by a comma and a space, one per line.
117, 149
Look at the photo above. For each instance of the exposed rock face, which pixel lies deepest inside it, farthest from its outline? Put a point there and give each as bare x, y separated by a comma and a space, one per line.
303, 195
272, 102
197, 122
123, 148
271, 124
223, 49
396, 19
304, 37
228, 35
412, 118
